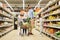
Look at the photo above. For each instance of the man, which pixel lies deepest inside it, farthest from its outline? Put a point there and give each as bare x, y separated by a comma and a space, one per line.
22, 21
30, 14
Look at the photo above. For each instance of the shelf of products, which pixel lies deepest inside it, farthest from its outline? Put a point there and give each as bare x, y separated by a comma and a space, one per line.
6, 25
5, 15
5, 9
6, 19
51, 35
48, 26
52, 20
56, 12
6, 30
49, 5
51, 9
51, 16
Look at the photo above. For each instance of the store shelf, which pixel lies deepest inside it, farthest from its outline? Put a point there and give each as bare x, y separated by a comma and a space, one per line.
51, 20
6, 10
58, 12
48, 26
6, 20
7, 30
4, 15
56, 7
51, 35
6, 25
47, 6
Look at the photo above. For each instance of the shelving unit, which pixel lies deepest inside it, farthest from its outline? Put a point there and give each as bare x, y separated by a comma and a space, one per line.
51, 9
5, 25
48, 5
5, 32
4, 15
6, 21
51, 35
52, 27
51, 16
6, 10
51, 20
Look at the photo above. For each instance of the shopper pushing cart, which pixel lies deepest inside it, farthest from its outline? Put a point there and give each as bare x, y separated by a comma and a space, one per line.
23, 22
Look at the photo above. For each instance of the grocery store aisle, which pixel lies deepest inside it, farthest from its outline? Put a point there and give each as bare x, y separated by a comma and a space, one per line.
13, 35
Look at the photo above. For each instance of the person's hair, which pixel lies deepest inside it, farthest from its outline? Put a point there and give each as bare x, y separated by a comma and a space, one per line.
39, 15
34, 10
21, 10
26, 10
28, 5
36, 7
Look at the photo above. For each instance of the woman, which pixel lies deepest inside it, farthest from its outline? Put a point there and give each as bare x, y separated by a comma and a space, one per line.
21, 20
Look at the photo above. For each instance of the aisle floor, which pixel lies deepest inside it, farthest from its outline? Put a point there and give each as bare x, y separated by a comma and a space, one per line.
13, 35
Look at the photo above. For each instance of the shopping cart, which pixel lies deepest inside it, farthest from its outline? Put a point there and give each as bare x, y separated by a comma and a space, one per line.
24, 25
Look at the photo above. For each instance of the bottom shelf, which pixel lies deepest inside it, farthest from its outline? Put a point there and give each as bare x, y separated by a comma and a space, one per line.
51, 35
7, 30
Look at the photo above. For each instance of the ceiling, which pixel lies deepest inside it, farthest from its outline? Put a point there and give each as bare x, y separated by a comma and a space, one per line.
18, 3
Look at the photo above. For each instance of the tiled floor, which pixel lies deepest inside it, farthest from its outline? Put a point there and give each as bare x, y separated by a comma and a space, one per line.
13, 35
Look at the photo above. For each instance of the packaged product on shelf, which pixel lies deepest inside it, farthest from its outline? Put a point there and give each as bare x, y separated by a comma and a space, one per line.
7, 18
8, 15
53, 6
1, 24
1, 18
51, 12
45, 24
2, 30
5, 23
46, 13
4, 5
44, 29
55, 25
0, 11
4, 12
57, 34
51, 31
56, 11
58, 24
47, 30
51, 17
50, 23
8, 9
0, 4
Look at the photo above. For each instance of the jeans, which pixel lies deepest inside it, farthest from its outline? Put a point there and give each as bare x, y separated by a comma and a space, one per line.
24, 30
